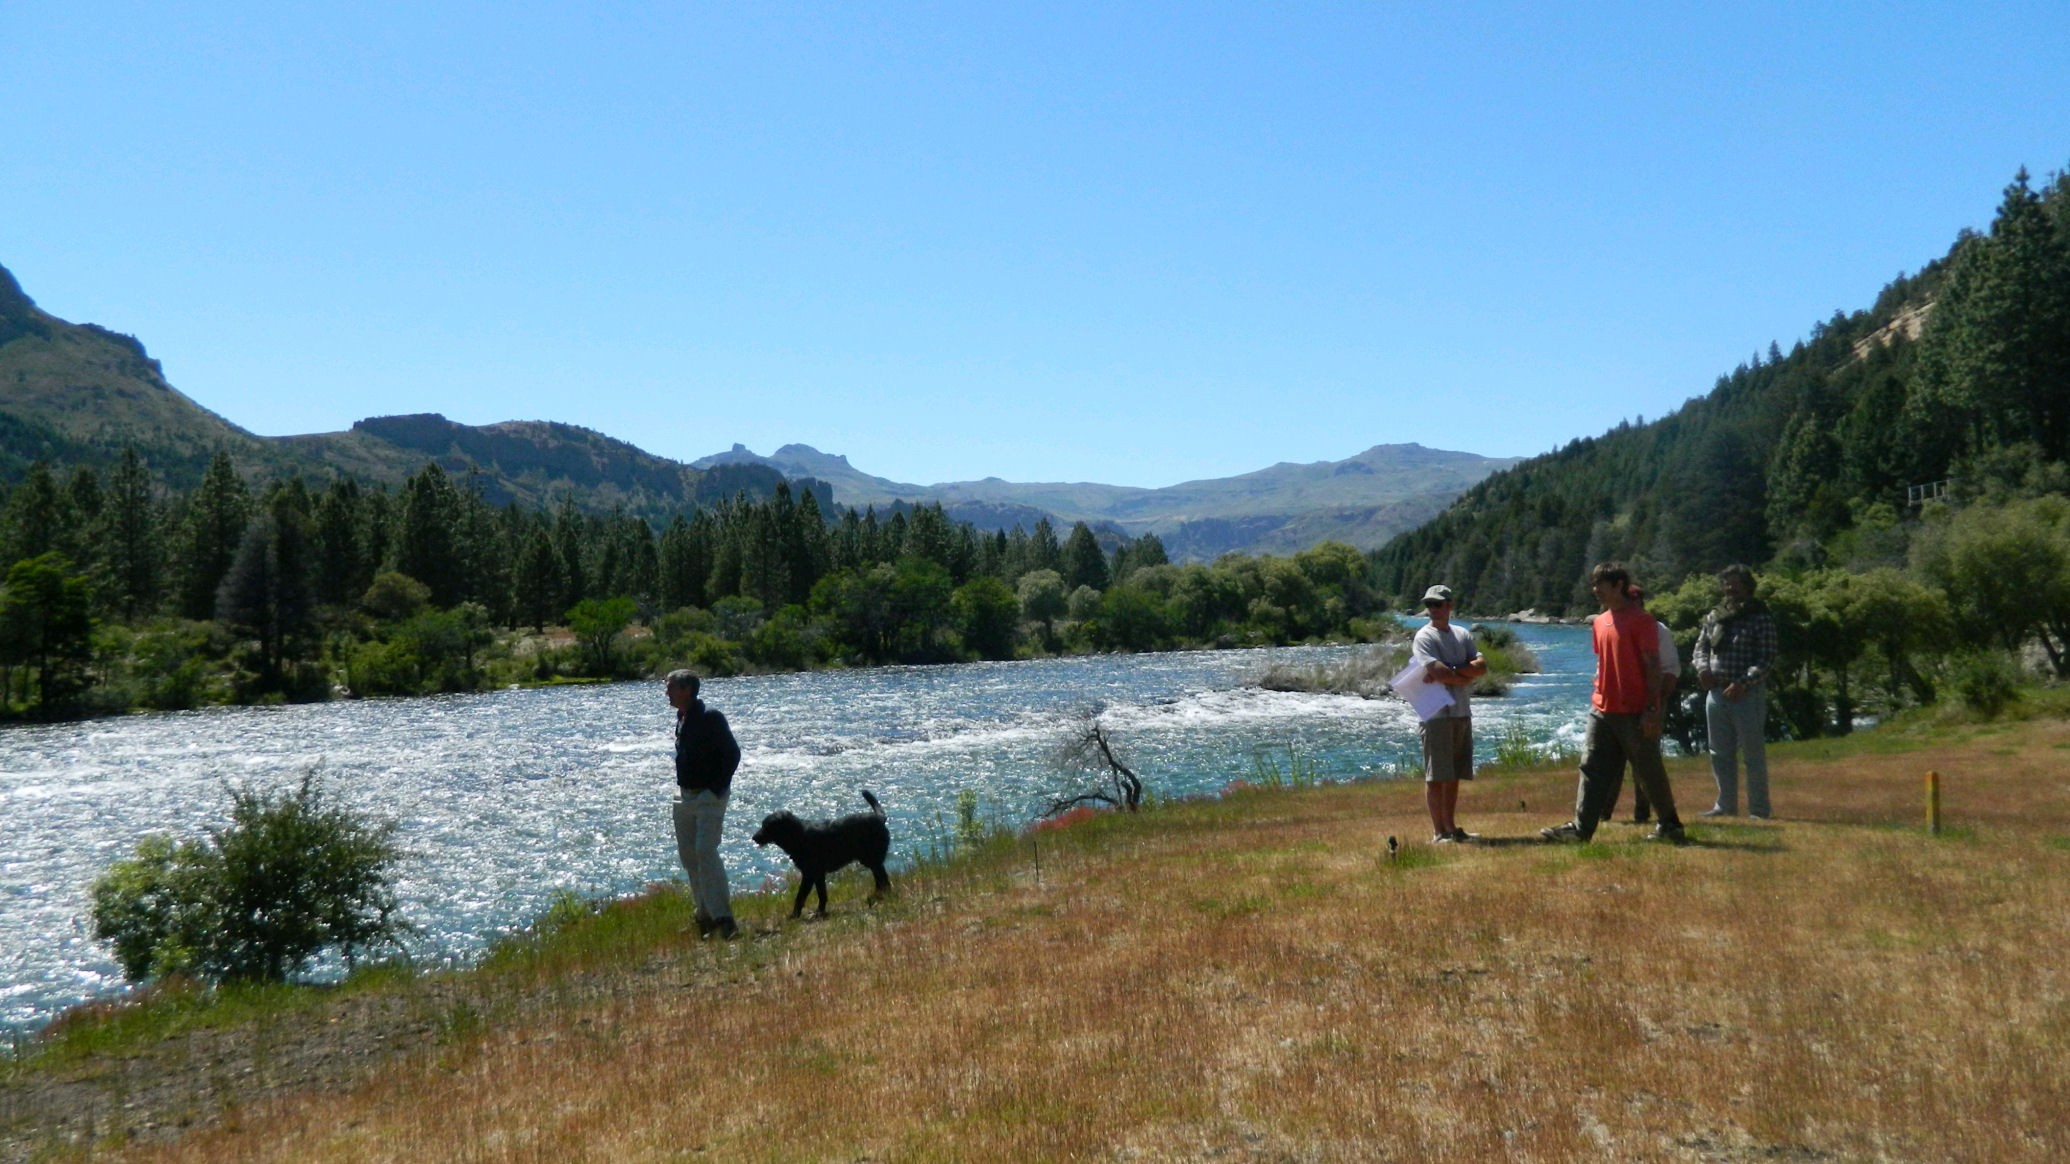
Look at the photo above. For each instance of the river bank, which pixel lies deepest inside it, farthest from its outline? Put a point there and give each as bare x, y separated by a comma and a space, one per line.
1251, 976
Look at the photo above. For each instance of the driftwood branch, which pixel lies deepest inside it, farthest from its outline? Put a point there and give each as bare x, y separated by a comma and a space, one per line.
1091, 749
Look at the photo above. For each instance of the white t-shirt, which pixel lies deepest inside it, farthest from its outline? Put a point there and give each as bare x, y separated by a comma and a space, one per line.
1453, 647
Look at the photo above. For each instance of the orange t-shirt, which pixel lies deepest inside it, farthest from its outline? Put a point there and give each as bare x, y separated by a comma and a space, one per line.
1620, 638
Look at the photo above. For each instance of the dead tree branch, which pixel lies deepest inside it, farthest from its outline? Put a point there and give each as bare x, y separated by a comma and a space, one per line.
1090, 750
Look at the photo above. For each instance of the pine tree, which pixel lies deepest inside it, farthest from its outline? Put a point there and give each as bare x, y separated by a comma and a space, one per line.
1084, 563
268, 590
537, 585
425, 546
131, 541
35, 518
217, 512
343, 569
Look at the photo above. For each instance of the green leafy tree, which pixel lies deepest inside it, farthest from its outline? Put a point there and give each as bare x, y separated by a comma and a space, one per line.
857, 605
394, 595
598, 624
2006, 570
988, 614
920, 607
1130, 618
46, 623
1043, 599
293, 874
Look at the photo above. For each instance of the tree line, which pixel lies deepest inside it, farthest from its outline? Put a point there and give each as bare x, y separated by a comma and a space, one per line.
124, 592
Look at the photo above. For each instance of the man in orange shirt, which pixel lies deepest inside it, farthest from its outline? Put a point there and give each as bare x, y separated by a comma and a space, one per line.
1624, 714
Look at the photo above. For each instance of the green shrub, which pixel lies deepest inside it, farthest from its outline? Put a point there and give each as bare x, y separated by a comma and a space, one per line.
292, 875
1985, 682
383, 669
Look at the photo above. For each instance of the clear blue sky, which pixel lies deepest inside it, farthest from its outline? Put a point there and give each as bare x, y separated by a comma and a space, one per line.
1128, 243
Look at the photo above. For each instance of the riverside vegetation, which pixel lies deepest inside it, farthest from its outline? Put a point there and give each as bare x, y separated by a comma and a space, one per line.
1255, 976
123, 595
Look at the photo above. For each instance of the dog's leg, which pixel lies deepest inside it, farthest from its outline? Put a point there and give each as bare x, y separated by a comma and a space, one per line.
821, 884
883, 880
804, 887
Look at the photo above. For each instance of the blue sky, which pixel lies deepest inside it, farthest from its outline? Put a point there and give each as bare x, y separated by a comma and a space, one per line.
1129, 243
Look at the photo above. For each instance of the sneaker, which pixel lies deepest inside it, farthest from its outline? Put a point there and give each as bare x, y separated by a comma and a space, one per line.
1641, 817
1566, 832
1667, 835
1462, 836
1714, 810
705, 926
1442, 838
1760, 816
726, 930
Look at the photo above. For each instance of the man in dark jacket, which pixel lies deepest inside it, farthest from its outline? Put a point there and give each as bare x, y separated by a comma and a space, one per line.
706, 756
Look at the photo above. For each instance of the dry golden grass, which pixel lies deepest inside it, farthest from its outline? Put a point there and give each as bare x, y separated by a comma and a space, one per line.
1254, 979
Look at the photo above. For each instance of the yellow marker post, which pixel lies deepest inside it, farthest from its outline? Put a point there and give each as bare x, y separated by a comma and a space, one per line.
1933, 803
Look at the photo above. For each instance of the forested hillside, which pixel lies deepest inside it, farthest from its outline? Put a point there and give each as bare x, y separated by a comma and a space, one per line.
1958, 377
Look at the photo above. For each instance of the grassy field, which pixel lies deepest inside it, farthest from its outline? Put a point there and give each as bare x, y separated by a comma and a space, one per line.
1253, 978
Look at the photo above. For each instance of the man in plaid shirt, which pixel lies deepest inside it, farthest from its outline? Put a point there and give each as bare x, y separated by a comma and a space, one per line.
1735, 651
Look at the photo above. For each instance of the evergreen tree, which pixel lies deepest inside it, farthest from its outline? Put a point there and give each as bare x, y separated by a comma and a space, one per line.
268, 591
569, 538
1997, 351
35, 518
1084, 563
131, 541
537, 584
1043, 551
343, 567
217, 512
425, 546
686, 561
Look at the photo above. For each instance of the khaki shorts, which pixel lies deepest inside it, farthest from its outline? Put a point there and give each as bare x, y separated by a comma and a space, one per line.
1447, 748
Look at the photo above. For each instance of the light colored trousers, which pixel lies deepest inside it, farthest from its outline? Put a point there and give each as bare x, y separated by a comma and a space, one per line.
700, 816
1737, 728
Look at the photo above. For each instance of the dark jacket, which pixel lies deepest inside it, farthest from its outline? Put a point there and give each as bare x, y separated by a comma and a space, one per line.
706, 754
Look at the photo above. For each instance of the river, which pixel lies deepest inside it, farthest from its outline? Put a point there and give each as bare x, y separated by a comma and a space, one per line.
507, 798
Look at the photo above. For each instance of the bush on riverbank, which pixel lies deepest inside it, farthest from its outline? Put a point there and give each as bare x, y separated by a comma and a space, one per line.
293, 874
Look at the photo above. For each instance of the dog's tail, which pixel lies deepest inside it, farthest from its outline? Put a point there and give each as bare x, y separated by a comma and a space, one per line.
874, 806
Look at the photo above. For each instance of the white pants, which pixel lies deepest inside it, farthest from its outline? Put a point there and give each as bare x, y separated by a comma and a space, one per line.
699, 817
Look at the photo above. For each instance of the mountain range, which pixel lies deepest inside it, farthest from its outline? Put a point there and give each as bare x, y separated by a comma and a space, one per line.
1363, 500
77, 394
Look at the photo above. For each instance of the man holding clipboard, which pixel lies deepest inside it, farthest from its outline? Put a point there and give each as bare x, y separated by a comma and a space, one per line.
1443, 662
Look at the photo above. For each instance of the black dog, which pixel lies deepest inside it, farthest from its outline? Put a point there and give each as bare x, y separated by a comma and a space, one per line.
819, 848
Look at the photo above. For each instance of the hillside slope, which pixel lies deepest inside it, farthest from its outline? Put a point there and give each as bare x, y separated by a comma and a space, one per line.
77, 394
1959, 373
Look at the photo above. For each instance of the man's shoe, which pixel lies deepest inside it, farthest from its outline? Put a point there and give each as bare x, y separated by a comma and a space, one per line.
1442, 838
1462, 836
1760, 816
1641, 817
1566, 832
1668, 836
705, 926
726, 930
1714, 810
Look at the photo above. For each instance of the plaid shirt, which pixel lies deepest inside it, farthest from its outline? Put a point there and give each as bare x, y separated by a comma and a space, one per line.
1736, 650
